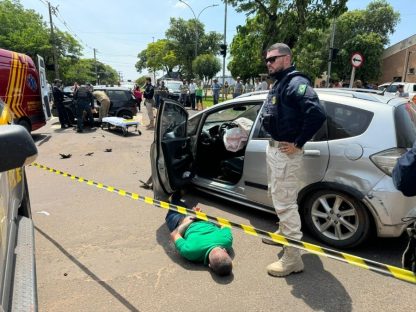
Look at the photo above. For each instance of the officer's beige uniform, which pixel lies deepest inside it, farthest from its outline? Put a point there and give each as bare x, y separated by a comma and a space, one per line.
104, 100
283, 172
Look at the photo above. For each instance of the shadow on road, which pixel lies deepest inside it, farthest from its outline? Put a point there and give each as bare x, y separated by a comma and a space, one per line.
384, 250
318, 288
41, 138
87, 271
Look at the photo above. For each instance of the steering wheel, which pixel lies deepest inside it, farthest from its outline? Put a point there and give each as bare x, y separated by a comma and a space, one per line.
225, 126
205, 138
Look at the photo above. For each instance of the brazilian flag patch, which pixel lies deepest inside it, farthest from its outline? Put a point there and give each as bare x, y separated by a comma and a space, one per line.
302, 89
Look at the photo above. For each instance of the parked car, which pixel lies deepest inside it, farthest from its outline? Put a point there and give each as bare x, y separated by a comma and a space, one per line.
18, 290
391, 88
347, 191
122, 103
173, 86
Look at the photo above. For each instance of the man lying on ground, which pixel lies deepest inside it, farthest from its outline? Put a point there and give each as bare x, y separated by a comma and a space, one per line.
201, 241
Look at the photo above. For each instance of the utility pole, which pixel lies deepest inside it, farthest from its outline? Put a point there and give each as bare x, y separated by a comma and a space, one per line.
331, 48
120, 77
225, 44
55, 56
95, 63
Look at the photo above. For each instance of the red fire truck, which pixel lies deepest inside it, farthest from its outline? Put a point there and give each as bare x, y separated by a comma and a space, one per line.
23, 88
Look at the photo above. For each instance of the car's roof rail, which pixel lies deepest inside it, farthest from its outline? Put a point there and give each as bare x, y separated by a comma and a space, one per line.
253, 93
362, 94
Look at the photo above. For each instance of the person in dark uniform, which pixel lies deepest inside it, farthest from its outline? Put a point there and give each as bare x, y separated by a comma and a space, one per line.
58, 98
85, 102
292, 115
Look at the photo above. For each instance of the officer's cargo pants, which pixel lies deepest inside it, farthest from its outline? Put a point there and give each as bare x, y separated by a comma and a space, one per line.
283, 184
149, 103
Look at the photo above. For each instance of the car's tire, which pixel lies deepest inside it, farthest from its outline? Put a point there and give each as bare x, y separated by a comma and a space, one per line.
125, 114
336, 218
25, 124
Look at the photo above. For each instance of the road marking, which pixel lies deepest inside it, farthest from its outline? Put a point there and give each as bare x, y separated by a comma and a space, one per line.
392, 271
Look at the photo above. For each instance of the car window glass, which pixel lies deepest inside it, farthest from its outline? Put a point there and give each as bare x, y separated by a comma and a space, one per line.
173, 123
414, 87
392, 88
173, 86
229, 114
193, 125
405, 121
345, 121
118, 95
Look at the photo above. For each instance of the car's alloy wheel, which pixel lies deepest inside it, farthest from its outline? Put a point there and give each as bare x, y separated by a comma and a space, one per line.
336, 218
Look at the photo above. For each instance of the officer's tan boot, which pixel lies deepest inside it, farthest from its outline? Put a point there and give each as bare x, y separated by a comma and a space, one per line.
291, 262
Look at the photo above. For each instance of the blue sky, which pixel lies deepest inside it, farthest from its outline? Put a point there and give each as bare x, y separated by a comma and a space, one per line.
120, 29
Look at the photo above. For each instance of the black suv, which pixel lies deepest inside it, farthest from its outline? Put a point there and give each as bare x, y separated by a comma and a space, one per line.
122, 103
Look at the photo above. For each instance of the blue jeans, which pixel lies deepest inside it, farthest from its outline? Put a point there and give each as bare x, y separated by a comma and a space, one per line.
173, 218
81, 107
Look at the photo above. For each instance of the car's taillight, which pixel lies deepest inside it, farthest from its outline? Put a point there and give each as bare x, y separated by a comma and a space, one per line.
386, 160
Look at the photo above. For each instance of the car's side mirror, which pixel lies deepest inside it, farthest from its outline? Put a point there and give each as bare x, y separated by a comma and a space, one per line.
16, 146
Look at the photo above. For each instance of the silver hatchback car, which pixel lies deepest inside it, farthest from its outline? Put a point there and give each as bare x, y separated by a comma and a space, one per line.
347, 192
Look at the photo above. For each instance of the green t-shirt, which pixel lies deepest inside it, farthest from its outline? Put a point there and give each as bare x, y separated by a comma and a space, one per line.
200, 238
199, 91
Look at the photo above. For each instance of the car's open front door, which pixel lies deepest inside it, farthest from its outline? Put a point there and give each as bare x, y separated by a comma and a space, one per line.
171, 155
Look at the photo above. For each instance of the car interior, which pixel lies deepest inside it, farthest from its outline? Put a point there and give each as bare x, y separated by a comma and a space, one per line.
214, 160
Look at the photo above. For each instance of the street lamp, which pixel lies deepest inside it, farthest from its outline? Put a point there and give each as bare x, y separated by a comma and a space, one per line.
197, 19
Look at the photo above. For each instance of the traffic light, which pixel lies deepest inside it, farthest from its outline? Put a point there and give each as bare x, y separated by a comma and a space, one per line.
334, 53
223, 49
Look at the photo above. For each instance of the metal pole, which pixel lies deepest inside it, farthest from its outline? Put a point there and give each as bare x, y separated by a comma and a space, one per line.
95, 64
330, 53
225, 42
407, 64
352, 77
55, 57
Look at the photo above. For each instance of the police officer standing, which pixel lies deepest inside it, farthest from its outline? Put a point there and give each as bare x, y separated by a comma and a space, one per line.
58, 98
292, 115
149, 102
84, 102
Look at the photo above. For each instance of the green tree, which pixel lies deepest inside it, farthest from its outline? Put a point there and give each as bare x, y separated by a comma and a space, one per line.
206, 66
184, 36
285, 20
83, 71
157, 56
366, 31
247, 60
25, 31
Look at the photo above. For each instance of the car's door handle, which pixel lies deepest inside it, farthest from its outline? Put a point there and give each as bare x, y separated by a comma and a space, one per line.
312, 152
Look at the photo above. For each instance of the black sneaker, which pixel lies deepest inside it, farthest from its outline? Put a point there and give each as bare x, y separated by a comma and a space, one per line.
80, 130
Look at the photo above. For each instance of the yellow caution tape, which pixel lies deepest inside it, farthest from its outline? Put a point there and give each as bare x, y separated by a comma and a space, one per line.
385, 269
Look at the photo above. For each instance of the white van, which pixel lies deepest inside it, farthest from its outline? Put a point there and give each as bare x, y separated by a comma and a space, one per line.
409, 87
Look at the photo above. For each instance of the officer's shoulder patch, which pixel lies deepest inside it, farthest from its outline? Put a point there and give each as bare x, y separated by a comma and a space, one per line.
302, 89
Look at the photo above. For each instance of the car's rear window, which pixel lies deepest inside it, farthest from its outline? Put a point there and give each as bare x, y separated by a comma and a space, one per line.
405, 120
118, 95
345, 121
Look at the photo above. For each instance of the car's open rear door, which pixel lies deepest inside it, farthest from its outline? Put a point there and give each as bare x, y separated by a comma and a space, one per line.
171, 155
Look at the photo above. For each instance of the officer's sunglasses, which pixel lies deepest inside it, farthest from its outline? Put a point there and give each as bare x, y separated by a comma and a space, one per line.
272, 59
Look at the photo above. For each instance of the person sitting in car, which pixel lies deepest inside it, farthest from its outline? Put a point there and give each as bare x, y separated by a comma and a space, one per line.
200, 241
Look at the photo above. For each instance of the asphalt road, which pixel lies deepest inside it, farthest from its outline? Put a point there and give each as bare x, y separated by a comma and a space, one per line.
99, 251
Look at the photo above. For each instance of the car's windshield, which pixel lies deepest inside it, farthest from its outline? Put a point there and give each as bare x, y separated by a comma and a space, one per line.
173, 86
392, 88
248, 110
